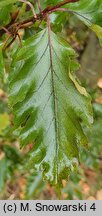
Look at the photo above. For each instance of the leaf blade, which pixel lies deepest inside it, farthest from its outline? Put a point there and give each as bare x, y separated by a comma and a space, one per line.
46, 116
4, 3
89, 12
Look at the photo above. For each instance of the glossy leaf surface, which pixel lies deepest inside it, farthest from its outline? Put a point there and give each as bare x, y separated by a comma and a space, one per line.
90, 12
49, 103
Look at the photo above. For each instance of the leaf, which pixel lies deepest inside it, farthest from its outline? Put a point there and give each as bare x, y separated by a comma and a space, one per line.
95, 136
4, 122
97, 110
98, 30
8, 164
48, 106
1, 62
35, 185
91, 158
5, 15
51, 2
6, 2
90, 12
3, 173
12, 154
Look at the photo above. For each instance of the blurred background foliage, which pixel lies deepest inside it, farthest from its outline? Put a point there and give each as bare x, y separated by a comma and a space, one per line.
16, 180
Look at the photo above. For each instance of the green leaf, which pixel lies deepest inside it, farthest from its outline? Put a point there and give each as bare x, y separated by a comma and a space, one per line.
6, 2
3, 173
48, 104
97, 110
35, 185
98, 30
1, 62
12, 154
5, 14
90, 12
3, 105
92, 157
4, 122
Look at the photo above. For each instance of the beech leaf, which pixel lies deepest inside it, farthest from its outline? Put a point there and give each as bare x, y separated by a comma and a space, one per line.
90, 12
49, 104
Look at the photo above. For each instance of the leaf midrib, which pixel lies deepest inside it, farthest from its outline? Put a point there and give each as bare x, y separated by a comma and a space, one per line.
54, 101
